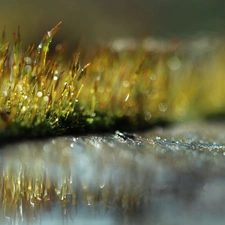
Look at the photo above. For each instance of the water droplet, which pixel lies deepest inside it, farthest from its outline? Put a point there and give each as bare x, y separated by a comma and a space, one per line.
39, 94
127, 97
153, 77
24, 108
126, 83
148, 116
174, 63
101, 89
27, 60
46, 98
162, 107
27, 68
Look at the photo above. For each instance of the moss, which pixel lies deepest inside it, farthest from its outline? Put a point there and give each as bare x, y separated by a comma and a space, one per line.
127, 90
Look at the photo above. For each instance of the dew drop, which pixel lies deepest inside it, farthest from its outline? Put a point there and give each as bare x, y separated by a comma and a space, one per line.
127, 97
46, 98
27, 68
126, 83
174, 63
24, 108
39, 94
162, 107
148, 116
101, 89
153, 77
27, 60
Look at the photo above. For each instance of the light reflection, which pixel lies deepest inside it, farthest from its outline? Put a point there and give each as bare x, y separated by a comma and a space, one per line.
79, 178
61, 172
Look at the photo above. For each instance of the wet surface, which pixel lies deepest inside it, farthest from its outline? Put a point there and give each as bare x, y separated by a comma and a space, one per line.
164, 176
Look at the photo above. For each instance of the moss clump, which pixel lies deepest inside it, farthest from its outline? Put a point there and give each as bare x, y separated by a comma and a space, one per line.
131, 89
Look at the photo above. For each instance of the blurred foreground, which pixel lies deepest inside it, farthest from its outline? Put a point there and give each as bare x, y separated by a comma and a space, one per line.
165, 176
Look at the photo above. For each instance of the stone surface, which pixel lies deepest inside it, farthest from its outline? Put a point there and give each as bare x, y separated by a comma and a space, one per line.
172, 175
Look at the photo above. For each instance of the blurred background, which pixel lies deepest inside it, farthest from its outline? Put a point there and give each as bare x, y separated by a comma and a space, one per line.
96, 20
93, 21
